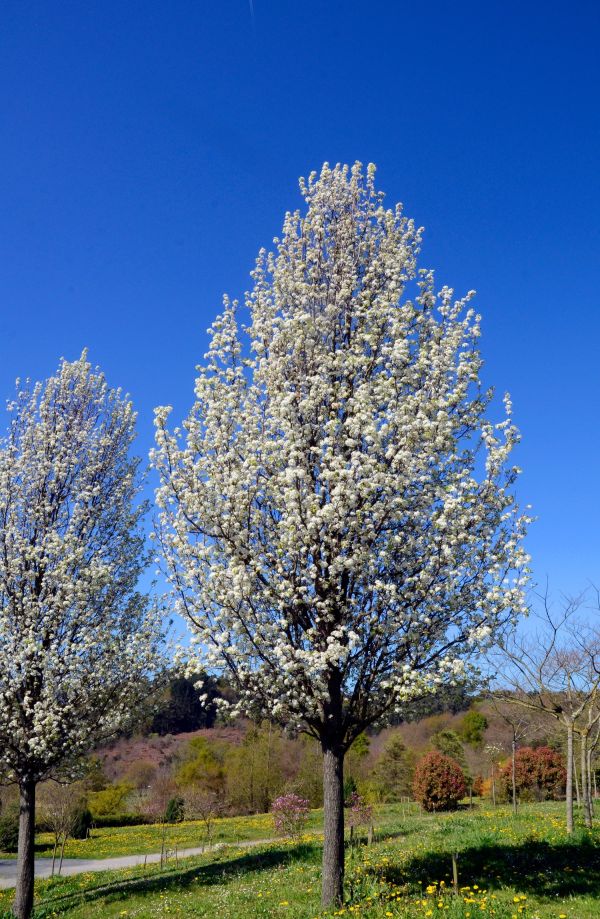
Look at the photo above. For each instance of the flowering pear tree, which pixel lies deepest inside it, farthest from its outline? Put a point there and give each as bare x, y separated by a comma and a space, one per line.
78, 642
337, 514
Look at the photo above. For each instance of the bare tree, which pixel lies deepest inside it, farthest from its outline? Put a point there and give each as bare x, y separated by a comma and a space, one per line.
59, 808
205, 805
554, 668
521, 726
162, 790
493, 753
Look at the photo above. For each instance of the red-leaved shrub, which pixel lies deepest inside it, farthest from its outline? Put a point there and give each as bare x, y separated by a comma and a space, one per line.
539, 772
439, 783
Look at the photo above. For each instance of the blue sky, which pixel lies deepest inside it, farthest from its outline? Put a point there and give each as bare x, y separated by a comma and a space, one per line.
150, 148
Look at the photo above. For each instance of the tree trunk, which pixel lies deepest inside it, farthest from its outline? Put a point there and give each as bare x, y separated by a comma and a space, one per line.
514, 775
333, 819
569, 795
587, 816
589, 784
25, 860
62, 852
54, 855
163, 846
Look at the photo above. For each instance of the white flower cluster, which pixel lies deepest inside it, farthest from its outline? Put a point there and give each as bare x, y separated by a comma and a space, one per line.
327, 523
76, 639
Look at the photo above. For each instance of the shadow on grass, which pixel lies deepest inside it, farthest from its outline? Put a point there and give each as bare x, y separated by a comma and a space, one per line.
217, 872
570, 868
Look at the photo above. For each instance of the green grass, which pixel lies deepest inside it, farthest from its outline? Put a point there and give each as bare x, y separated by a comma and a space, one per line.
134, 840
139, 840
525, 868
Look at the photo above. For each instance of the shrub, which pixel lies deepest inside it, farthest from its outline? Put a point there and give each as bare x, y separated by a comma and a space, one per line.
540, 775
439, 783
478, 786
9, 832
290, 813
82, 822
109, 820
110, 800
175, 810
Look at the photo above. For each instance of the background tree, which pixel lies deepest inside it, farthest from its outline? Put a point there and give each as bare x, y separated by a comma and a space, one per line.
337, 514
309, 778
76, 636
522, 724
204, 805
493, 756
355, 764
140, 774
254, 770
94, 778
472, 728
181, 709
162, 791
394, 770
449, 743
202, 767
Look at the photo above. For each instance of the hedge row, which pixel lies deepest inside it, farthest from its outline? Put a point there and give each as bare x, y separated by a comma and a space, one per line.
107, 820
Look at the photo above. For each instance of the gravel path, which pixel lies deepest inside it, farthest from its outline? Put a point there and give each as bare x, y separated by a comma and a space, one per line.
43, 866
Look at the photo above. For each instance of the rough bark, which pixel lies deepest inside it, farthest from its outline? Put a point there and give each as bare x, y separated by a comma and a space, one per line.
23, 904
333, 843
569, 796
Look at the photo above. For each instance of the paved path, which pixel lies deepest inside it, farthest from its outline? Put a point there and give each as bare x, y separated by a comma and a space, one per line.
43, 866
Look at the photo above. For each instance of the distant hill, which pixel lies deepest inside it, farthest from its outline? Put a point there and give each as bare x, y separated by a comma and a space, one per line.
118, 756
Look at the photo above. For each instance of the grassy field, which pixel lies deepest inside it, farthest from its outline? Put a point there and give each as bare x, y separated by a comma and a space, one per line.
508, 869
112, 841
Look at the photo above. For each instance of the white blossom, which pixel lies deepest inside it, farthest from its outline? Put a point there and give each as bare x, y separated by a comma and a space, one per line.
337, 512
77, 640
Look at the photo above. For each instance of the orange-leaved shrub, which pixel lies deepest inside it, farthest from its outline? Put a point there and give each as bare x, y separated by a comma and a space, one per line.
439, 783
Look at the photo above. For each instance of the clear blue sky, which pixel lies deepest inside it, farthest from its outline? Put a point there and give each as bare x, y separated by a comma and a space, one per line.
148, 149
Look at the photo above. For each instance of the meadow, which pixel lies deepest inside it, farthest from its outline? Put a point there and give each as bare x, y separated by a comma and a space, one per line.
108, 842
508, 868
